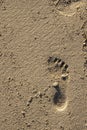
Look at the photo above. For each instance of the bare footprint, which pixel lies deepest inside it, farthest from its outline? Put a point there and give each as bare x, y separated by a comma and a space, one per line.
58, 72
68, 7
64, 2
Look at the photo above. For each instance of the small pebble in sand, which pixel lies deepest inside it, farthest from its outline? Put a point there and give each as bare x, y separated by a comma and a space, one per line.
23, 113
40, 94
36, 96
34, 91
84, 44
29, 101
28, 124
45, 90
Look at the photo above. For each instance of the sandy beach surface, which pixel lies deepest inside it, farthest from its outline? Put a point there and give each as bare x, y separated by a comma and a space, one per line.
43, 64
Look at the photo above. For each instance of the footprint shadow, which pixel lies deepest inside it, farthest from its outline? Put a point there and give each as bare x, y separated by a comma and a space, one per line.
58, 98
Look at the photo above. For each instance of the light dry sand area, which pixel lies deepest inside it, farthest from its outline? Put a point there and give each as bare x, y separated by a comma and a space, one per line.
43, 64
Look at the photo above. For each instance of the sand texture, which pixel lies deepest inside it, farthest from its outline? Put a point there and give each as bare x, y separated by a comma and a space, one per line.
43, 64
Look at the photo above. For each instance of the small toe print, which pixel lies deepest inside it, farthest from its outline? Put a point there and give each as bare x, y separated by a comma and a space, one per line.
64, 76
52, 59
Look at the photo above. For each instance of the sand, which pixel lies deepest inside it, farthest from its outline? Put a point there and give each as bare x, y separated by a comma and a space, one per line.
43, 64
